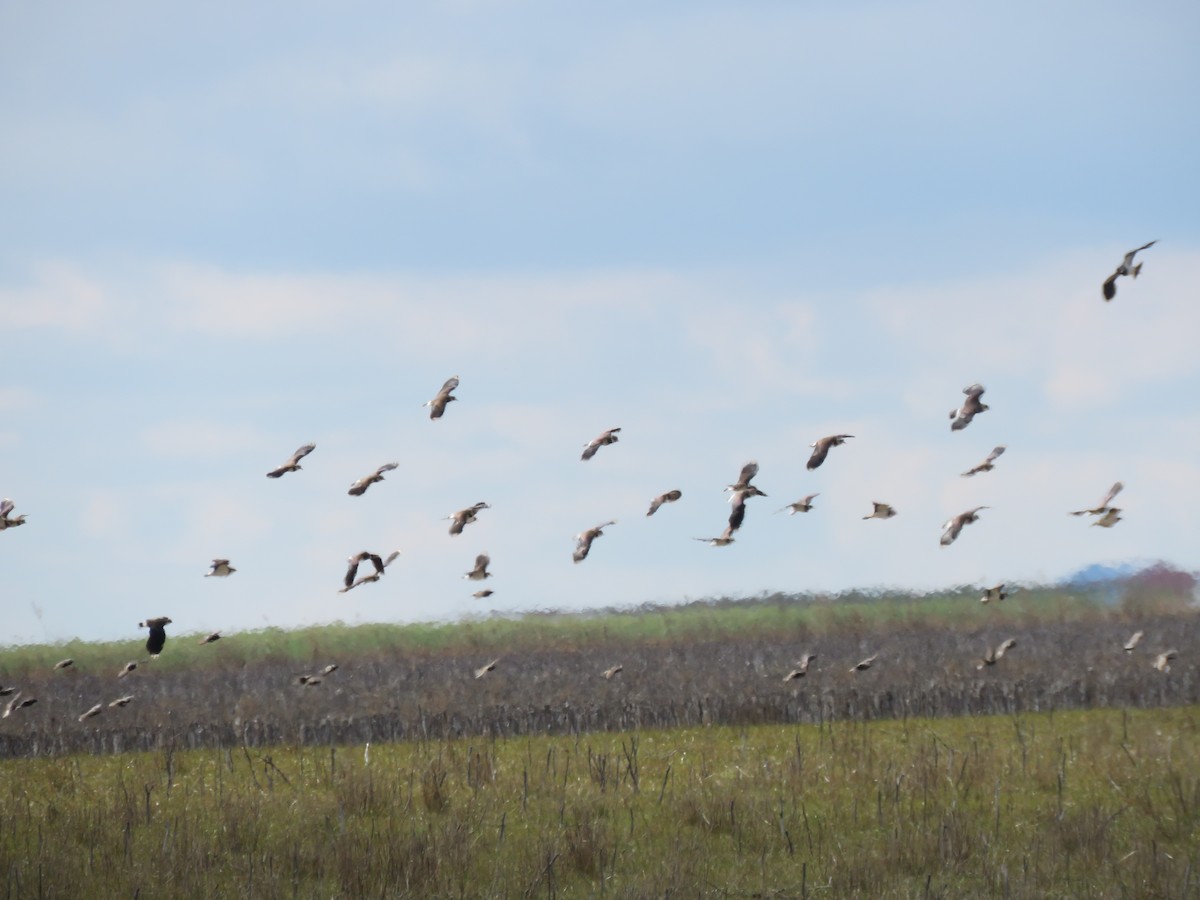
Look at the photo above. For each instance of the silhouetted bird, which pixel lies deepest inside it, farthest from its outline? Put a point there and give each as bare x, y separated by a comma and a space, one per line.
1126, 267
960, 418
220, 568
583, 540
602, 440
293, 463
987, 465
821, 448
360, 487
158, 634
668, 497
437, 405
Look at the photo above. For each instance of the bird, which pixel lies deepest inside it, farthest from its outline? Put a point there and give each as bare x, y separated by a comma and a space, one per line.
668, 497
5, 691
6, 506
881, 511
801, 668
465, 517
437, 405
158, 634
821, 448
220, 568
863, 664
1134, 640
612, 671
293, 462
1126, 267
128, 667
1162, 662
380, 567
737, 515
987, 465
960, 418
17, 703
602, 440
482, 595
211, 637
64, 664
308, 680
583, 540
360, 487
121, 701
94, 711
802, 505
483, 670
1110, 518
480, 571
749, 470
996, 592
1103, 507
952, 527
329, 669
991, 657
724, 540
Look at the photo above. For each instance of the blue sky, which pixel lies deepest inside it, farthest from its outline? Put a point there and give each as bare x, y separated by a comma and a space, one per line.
729, 230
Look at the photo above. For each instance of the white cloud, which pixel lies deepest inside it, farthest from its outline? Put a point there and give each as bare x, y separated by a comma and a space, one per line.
58, 295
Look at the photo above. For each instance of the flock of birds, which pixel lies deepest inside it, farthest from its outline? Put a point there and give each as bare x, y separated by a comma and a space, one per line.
741, 491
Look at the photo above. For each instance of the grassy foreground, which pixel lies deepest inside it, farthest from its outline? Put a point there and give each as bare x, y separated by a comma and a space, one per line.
1097, 803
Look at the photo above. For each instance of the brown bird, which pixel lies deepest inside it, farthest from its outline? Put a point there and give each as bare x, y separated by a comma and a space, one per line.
480, 571
360, 487
1134, 640
881, 511
996, 593
380, 568
960, 418
94, 711
211, 637
1103, 506
128, 667
64, 664
158, 634
987, 465
330, 669
583, 540
737, 515
668, 497
821, 448
951, 529
612, 671
482, 595
801, 668
6, 521
437, 405
17, 703
1162, 662
991, 657
465, 517
220, 568
122, 701
803, 505
749, 470
5, 691
863, 664
724, 540
602, 440
348, 580
293, 462
1111, 517
1109, 289
308, 680
483, 670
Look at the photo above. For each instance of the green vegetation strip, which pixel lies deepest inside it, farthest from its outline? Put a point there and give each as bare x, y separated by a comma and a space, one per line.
1098, 803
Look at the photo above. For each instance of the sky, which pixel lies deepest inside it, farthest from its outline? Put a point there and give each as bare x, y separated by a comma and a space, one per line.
727, 229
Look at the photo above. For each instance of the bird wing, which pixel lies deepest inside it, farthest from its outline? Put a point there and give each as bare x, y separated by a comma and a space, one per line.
1109, 288
6, 506
386, 467
738, 514
996, 453
1005, 645
302, 452
351, 572
482, 561
1144, 247
450, 385
749, 470
974, 391
589, 449
820, 451
1112, 492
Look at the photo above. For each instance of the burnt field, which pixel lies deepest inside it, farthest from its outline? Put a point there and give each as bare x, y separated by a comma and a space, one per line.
391, 685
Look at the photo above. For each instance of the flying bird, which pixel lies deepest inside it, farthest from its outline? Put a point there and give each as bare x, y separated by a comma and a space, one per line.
952, 527
960, 418
17, 703
1111, 517
612, 671
64, 664
482, 595
122, 701
6, 506
308, 680
821, 448
1103, 507
668, 497
158, 634
480, 572
996, 592
293, 463
330, 669
360, 487
602, 440
863, 664
350, 582
1162, 662
803, 505
127, 668
437, 405
987, 465
210, 638
483, 670
749, 470
724, 540
94, 711
1125, 268
801, 668
220, 568
583, 540
881, 511
465, 517
991, 657
1134, 640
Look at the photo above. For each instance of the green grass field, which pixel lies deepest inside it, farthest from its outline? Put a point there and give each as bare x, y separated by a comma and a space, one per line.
1104, 803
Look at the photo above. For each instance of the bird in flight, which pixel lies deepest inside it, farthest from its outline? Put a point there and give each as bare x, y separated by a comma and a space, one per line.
484, 669
483, 595
121, 701
94, 711
951, 529
801, 668
293, 462
17, 703
360, 487
350, 582
996, 592
987, 465
724, 540
158, 634
602, 440
1162, 662
437, 405
881, 511
583, 540
668, 497
130, 666
960, 418
863, 664
1126, 267
991, 657
220, 568
1134, 640
480, 572
612, 671
821, 448
1111, 517
802, 505
6, 506
465, 517
1103, 506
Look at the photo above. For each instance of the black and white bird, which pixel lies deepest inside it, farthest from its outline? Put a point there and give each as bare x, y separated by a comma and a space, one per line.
17, 703
668, 497
350, 582
987, 465
992, 656
960, 418
1126, 267
601, 440
995, 592
480, 572
293, 462
220, 568
158, 634
437, 406
803, 505
7, 521
464, 517
881, 511
821, 448
952, 527
583, 540
801, 668
1103, 506
863, 664
360, 487
488, 667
